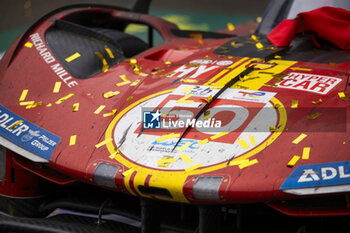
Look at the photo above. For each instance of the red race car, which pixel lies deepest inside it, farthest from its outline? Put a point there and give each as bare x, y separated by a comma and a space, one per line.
206, 132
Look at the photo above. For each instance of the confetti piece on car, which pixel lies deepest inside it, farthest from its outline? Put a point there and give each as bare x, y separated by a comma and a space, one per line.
196, 36
99, 109
75, 107
204, 141
104, 62
189, 80
342, 95
57, 87
317, 101
15, 124
26, 103
73, 57
184, 146
103, 142
299, 138
185, 158
272, 128
293, 161
122, 83
167, 62
194, 167
114, 111
168, 136
238, 162
110, 94
187, 89
218, 135
252, 140
306, 153
129, 98
34, 105
128, 172
258, 19
110, 53
314, 116
23, 95
135, 82
243, 144
28, 45
254, 37
259, 45
165, 161
72, 140
185, 99
294, 104
206, 115
64, 98
49, 105
230, 27
247, 164
208, 99
114, 154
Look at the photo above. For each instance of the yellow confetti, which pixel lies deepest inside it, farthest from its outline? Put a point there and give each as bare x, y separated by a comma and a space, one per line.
247, 164
15, 124
57, 87
204, 141
73, 57
278, 57
238, 162
184, 99
185, 158
72, 140
110, 94
272, 128
230, 27
110, 113
99, 109
34, 105
252, 140
185, 146
198, 36
314, 116
276, 106
104, 62
254, 37
49, 105
103, 142
135, 82
189, 80
122, 83
28, 45
26, 103
64, 98
243, 144
233, 44
128, 172
293, 161
208, 99
258, 19
342, 95
167, 136
317, 101
75, 107
259, 45
110, 54
167, 62
194, 167
129, 98
165, 161
306, 153
206, 115
23, 95
294, 104
218, 135
113, 155
187, 89
299, 138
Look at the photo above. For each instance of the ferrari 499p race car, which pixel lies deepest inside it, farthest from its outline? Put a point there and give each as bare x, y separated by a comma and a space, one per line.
242, 130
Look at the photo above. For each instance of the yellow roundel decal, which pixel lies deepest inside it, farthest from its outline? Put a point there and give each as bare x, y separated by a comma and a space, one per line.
255, 124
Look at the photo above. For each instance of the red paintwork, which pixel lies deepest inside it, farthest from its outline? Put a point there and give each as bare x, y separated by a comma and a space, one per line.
259, 183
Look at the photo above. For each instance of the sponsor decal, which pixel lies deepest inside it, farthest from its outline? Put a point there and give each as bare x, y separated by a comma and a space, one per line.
200, 68
243, 118
318, 175
27, 135
309, 82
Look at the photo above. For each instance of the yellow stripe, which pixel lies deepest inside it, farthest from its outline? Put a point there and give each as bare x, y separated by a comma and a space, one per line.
73, 57
127, 175
225, 71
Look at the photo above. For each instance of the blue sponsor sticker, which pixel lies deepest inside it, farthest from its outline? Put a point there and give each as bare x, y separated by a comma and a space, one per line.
318, 175
151, 120
27, 135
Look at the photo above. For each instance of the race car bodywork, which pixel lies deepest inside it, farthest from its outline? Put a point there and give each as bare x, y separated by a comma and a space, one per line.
83, 103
